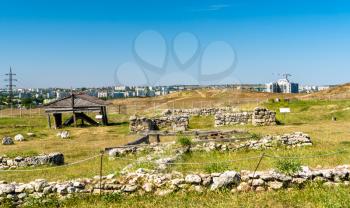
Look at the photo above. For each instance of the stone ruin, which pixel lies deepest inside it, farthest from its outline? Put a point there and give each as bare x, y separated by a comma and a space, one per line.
263, 117
13, 163
143, 124
160, 183
144, 181
178, 119
227, 119
259, 117
297, 139
199, 111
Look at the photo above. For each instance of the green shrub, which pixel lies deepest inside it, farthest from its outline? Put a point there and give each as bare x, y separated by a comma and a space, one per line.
112, 198
256, 136
184, 141
288, 166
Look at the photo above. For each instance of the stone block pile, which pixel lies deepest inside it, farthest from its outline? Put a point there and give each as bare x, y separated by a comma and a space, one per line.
297, 139
13, 163
171, 122
149, 181
233, 118
199, 111
259, 117
263, 117
141, 124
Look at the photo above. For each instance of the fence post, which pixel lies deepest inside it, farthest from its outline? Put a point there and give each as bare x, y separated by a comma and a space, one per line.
101, 169
257, 167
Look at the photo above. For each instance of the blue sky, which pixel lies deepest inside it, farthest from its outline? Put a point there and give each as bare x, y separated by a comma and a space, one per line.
61, 43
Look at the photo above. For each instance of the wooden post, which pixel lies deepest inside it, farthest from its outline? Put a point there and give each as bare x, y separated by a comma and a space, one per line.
75, 119
105, 116
101, 164
74, 115
49, 120
58, 120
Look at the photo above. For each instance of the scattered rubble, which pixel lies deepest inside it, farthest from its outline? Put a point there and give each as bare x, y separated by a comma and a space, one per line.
162, 184
13, 163
63, 134
19, 138
7, 141
259, 117
143, 124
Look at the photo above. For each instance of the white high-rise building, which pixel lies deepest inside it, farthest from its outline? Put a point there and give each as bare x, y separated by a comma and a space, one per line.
282, 86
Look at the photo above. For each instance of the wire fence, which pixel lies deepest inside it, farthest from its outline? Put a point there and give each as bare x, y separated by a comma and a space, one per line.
53, 167
131, 108
261, 156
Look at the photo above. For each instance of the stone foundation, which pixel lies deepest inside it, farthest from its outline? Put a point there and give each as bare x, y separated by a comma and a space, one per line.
259, 117
263, 117
13, 163
143, 124
161, 184
199, 111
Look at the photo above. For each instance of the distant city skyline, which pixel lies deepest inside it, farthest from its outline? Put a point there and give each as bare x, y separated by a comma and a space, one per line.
82, 43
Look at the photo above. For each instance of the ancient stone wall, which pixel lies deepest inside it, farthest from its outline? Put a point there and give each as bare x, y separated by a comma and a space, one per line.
13, 163
175, 123
233, 118
162, 184
199, 111
263, 117
259, 117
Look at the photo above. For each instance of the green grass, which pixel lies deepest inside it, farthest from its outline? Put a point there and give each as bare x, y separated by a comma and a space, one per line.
312, 196
25, 153
311, 111
201, 122
312, 117
216, 161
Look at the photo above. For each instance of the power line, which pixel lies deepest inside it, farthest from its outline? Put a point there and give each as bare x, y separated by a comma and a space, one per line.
10, 85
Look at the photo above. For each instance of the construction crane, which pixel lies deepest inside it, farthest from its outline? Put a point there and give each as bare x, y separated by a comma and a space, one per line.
285, 75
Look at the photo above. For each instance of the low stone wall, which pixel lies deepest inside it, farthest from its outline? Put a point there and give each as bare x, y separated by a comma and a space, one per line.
178, 119
199, 111
233, 118
161, 184
143, 124
263, 117
297, 139
259, 117
13, 163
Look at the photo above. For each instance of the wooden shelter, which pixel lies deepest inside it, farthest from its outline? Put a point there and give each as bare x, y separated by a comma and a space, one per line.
78, 105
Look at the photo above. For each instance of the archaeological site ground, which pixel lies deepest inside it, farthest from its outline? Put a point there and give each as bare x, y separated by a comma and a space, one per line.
198, 148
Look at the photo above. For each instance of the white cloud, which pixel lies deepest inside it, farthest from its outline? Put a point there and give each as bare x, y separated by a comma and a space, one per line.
213, 7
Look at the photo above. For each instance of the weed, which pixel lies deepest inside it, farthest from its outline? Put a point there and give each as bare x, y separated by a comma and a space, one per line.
184, 141
288, 166
216, 168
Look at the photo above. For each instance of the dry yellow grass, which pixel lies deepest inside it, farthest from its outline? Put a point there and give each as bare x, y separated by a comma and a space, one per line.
312, 118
